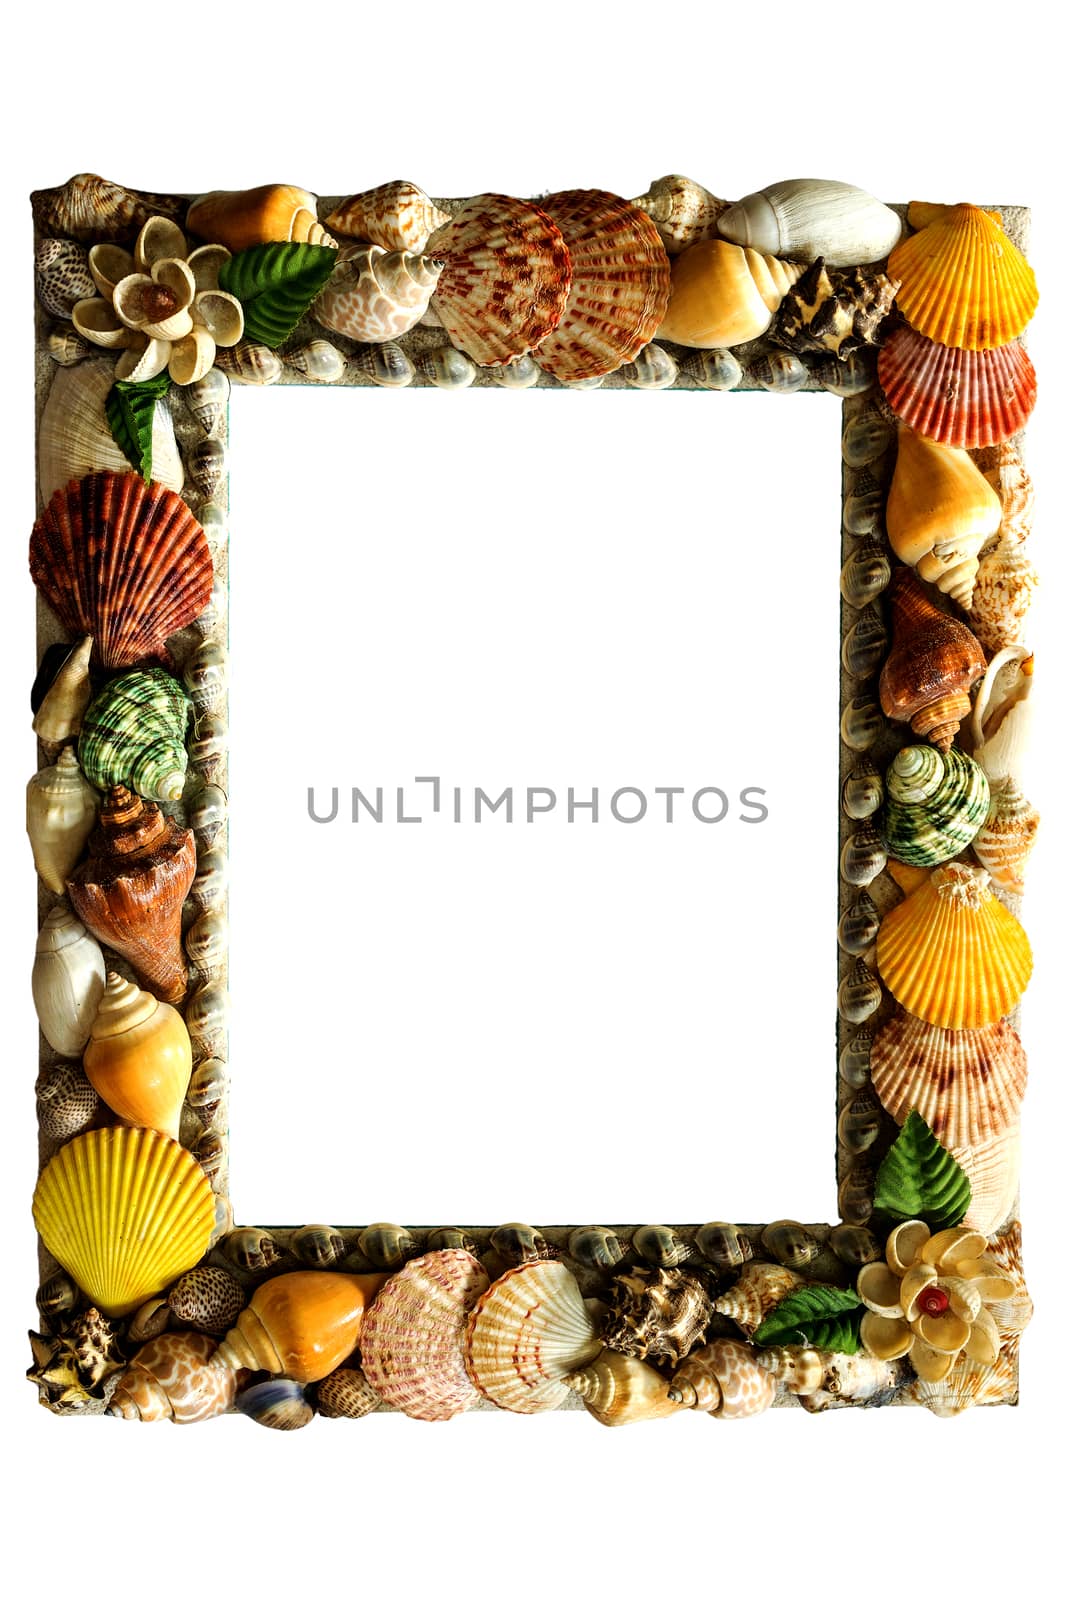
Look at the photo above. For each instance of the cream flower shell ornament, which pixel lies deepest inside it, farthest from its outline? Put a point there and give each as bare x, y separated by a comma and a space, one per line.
926, 1299
162, 306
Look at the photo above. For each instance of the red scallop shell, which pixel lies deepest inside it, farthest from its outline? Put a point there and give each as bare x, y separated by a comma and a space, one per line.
506, 277
966, 398
123, 560
622, 282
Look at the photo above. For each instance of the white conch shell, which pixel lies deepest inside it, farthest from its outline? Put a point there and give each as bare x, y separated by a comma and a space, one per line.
74, 438
61, 809
1003, 593
68, 981
1003, 714
809, 217
59, 716
374, 295
682, 210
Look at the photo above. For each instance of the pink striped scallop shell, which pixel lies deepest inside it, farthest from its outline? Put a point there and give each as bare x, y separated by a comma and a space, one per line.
411, 1342
966, 398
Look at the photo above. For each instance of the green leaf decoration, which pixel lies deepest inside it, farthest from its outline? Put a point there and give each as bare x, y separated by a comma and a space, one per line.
919, 1178
818, 1315
275, 284
130, 409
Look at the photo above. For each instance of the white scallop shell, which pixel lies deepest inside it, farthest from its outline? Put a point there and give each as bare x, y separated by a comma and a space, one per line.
74, 438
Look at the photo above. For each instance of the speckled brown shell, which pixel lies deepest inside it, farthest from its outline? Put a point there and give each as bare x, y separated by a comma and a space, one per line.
208, 1299
411, 1345
66, 1101
506, 278
123, 560
967, 1084
346, 1393
622, 281
656, 1312
172, 1378
397, 216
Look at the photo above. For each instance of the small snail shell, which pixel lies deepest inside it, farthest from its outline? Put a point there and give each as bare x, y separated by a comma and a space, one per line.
859, 993
276, 1403
60, 713
724, 1245
595, 1247
251, 1249
516, 1242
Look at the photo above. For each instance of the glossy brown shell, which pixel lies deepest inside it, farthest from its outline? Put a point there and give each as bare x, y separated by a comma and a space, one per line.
934, 659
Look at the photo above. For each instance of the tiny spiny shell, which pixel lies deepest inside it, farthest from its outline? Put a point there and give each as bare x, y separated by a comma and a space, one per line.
318, 360
862, 791
251, 1249
384, 364
854, 375
859, 994
865, 644
854, 1062
276, 1403
346, 1393
862, 722
790, 1243
318, 1245
778, 372
861, 1122
713, 369
724, 1245
652, 368
521, 374
859, 924
863, 856
387, 1246
864, 575
656, 1312
660, 1246
447, 368
595, 1247
854, 1246
66, 1101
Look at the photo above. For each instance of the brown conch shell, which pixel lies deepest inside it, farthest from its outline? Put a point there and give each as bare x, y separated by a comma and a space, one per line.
275, 213
620, 287
934, 661
301, 1325
758, 1289
797, 1368
124, 561
527, 1332
90, 209
656, 1312
1006, 838
411, 1347
130, 891
684, 211
172, 1378
397, 216
506, 278
725, 1380
618, 1389
966, 1084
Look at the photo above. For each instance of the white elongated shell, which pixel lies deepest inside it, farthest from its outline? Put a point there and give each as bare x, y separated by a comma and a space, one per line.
374, 295
60, 713
68, 981
993, 1171
61, 810
74, 438
411, 1339
809, 217
527, 1332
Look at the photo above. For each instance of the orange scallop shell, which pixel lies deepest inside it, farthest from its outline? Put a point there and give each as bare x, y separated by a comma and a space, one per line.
622, 282
952, 954
966, 398
123, 560
506, 278
966, 1084
963, 282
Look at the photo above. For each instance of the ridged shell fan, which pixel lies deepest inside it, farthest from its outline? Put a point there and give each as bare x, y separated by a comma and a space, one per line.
74, 439
124, 1211
527, 1332
412, 1340
134, 734
935, 804
963, 398
962, 281
967, 1084
122, 560
952, 954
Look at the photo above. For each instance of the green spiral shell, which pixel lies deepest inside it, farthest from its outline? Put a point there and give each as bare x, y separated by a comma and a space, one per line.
134, 733
935, 804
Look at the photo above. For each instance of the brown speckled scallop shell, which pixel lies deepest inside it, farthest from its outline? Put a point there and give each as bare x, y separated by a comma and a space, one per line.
967, 1083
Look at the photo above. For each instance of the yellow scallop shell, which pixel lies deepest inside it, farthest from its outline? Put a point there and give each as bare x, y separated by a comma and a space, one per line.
124, 1211
962, 281
952, 954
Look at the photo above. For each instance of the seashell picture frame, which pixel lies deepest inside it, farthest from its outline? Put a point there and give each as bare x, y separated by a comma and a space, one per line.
154, 1302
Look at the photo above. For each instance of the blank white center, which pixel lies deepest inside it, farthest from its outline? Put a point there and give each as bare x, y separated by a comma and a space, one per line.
556, 1019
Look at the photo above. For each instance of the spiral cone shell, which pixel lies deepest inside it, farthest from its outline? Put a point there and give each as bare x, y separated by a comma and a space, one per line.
809, 217
527, 1332
139, 1059
966, 1084
952, 954
172, 1378
274, 213
684, 212
411, 1346
940, 512
797, 1368
61, 810
397, 216
964, 398
124, 1211
1004, 841
1003, 594
744, 1388
757, 1291
374, 295
723, 295
618, 1389
301, 1325
963, 282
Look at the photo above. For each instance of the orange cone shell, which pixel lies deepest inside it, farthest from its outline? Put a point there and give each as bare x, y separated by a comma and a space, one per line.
139, 1058
302, 1324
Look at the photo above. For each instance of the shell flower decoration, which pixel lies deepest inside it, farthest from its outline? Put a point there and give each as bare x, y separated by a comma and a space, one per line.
162, 305
926, 1300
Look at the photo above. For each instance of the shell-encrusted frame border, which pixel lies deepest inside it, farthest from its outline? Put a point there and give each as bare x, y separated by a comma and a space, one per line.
817, 1253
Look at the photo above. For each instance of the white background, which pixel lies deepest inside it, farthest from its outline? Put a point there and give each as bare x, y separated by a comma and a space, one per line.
948, 104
